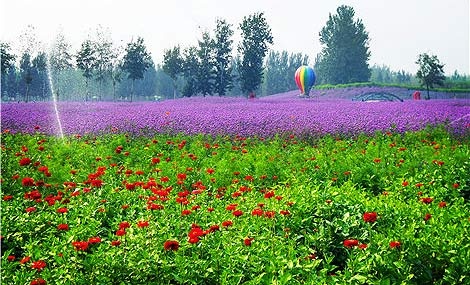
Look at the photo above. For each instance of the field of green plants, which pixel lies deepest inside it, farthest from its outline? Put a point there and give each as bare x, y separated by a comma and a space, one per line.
118, 209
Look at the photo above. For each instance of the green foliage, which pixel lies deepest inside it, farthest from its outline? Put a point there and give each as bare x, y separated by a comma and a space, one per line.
136, 61
86, 61
280, 69
26, 70
223, 58
205, 74
256, 36
430, 72
173, 65
311, 195
345, 54
190, 70
6, 57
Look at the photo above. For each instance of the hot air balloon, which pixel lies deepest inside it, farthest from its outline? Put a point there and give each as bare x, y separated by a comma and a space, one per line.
305, 79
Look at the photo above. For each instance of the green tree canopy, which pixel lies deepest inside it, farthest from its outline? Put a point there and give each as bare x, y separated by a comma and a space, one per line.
256, 36
431, 71
223, 58
86, 61
173, 65
345, 51
136, 61
6, 57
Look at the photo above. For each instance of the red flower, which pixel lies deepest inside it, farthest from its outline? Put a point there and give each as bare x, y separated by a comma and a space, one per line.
455, 185
210, 171
427, 216
38, 265
269, 194
227, 224
185, 212
171, 245
395, 244
247, 241
25, 161
405, 183
94, 240
116, 243
363, 246
27, 182
349, 243
96, 183
257, 212
369, 217
142, 224
80, 245
284, 212
30, 209
181, 176
7, 197
62, 210
269, 214
120, 232
214, 228
237, 213
155, 160
38, 281
442, 204
11, 258
210, 209
124, 225
427, 200
63, 227
231, 207
25, 259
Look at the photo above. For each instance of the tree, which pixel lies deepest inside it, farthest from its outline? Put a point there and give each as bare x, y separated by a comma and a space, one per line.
85, 62
256, 35
431, 71
60, 58
6, 57
190, 69
223, 50
205, 74
345, 54
103, 53
116, 68
26, 70
173, 65
136, 61
40, 80
7, 64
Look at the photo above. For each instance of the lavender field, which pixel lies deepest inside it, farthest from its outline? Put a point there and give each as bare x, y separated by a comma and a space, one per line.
278, 114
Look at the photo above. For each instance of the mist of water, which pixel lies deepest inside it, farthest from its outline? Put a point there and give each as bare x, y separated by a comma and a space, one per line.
54, 99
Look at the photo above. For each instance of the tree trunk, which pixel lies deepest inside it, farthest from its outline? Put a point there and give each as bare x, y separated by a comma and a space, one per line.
86, 89
27, 93
132, 89
174, 89
427, 89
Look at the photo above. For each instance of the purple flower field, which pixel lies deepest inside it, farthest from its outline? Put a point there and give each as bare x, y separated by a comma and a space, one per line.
278, 114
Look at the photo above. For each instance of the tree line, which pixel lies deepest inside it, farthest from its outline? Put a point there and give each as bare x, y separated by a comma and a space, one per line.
100, 70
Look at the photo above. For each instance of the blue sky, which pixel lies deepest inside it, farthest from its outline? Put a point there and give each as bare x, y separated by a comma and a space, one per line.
399, 30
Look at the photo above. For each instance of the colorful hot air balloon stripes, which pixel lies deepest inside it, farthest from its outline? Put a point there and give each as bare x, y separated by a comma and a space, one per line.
305, 79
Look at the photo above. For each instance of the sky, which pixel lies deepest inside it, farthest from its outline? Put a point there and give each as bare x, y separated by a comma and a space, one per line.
399, 30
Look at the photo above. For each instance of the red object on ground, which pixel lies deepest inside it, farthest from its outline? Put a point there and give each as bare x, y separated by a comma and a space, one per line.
417, 95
